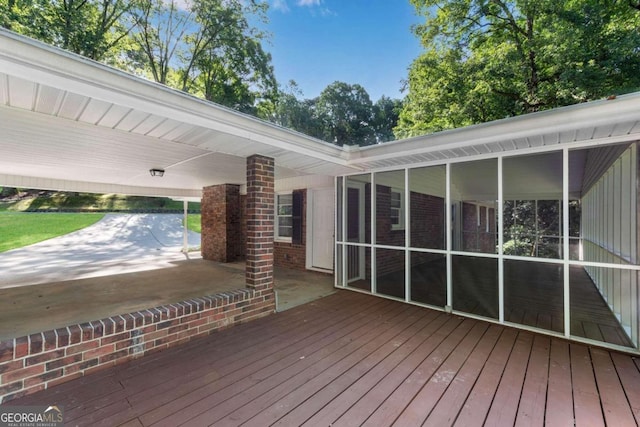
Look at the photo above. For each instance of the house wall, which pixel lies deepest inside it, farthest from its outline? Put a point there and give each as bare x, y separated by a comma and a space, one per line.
288, 254
39, 361
222, 219
475, 237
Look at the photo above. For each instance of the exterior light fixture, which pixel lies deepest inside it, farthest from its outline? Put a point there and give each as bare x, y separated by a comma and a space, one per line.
156, 172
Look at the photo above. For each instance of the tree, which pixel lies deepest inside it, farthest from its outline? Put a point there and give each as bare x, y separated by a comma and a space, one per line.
208, 49
490, 59
385, 118
342, 114
346, 113
92, 28
288, 109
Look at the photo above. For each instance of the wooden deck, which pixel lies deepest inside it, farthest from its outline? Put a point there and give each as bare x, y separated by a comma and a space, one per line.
352, 359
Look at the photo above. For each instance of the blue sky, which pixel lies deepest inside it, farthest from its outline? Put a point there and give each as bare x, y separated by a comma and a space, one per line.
316, 42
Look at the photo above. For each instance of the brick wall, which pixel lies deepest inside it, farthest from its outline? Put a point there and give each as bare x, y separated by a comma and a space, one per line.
427, 221
289, 255
39, 361
475, 237
222, 239
259, 219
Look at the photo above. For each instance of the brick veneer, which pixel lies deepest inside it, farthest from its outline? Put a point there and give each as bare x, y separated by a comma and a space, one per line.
221, 223
290, 255
32, 363
259, 222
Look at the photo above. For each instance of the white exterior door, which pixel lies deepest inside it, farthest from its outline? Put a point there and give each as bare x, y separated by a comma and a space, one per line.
320, 234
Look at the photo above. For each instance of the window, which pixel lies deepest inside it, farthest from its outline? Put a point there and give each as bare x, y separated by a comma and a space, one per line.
397, 209
284, 216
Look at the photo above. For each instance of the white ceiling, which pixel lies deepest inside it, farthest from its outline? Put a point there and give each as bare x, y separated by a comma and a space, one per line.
69, 123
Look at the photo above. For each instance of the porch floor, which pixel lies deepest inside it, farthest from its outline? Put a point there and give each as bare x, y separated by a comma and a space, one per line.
353, 359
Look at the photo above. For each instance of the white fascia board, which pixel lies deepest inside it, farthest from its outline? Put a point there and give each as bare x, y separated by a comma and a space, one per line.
33, 60
41, 183
624, 108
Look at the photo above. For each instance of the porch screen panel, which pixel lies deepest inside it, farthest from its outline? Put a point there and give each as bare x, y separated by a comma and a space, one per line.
427, 207
390, 272
339, 208
475, 285
358, 207
614, 320
358, 267
429, 278
532, 195
474, 193
607, 224
534, 294
390, 208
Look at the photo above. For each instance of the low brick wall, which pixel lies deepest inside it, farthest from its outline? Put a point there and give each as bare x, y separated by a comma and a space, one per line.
39, 361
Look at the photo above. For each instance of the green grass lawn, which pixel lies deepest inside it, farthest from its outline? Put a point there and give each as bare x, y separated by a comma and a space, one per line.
193, 223
21, 229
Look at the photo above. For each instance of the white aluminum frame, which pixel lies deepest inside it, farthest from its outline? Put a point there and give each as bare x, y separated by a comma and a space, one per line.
566, 260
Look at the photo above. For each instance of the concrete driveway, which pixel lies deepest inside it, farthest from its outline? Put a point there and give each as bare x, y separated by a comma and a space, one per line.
119, 243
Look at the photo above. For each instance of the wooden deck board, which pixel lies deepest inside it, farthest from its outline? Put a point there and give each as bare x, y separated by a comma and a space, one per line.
339, 380
534, 392
373, 390
426, 399
201, 399
507, 398
586, 400
559, 410
449, 405
354, 359
477, 405
614, 402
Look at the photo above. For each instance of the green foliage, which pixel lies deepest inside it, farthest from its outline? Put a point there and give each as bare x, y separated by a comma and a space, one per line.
343, 114
65, 201
22, 229
208, 48
346, 114
92, 28
490, 59
204, 47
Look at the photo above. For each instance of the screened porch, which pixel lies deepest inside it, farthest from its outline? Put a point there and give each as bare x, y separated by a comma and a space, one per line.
544, 240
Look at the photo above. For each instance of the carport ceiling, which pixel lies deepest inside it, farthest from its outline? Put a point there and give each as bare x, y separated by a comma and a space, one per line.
71, 123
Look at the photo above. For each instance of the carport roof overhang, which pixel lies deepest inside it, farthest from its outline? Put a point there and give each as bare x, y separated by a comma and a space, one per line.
69, 123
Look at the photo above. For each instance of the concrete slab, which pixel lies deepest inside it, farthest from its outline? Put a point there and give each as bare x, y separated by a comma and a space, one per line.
122, 264
119, 243
35, 308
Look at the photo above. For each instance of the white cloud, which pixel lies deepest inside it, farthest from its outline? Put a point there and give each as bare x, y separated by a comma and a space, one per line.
316, 6
281, 5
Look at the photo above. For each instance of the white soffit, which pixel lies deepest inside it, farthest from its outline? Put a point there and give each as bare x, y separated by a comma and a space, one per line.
599, 122
70, 121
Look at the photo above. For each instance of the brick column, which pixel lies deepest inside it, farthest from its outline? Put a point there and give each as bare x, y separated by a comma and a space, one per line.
259, 217
221, 233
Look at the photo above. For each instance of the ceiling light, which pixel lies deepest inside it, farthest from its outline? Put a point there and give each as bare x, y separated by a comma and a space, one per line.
156, 172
